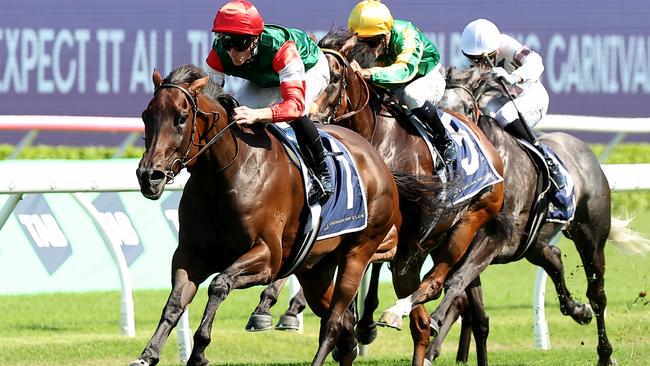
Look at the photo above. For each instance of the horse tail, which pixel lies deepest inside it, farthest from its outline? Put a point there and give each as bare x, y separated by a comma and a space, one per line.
627, 240
422, 201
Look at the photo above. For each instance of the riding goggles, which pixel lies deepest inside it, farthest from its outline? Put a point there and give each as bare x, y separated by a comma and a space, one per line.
482, 59
373, 42
240, 42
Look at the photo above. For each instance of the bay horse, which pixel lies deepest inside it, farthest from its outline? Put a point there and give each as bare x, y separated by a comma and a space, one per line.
348, 101
469, 93
242, 210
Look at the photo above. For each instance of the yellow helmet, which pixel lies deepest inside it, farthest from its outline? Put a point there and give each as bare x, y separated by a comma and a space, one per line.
370, 18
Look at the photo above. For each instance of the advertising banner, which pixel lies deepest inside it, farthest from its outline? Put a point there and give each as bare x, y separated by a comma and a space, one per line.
69, 57
50, 243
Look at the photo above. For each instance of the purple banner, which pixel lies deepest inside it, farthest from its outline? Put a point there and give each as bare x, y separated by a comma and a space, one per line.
70, 57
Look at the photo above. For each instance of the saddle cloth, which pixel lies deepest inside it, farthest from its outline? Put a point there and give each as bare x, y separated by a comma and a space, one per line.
472, 170
562, 205
346, 210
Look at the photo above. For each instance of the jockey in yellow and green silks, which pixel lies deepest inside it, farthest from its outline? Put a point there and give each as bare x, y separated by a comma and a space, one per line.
408, 64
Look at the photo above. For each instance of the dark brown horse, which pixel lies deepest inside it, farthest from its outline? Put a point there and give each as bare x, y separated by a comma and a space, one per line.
242, 210
348, 102
468, 93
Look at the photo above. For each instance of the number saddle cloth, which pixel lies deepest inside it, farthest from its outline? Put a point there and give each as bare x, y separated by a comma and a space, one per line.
345, 211
471, 172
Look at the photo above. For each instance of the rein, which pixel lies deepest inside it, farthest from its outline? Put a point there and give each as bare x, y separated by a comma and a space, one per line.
185, 161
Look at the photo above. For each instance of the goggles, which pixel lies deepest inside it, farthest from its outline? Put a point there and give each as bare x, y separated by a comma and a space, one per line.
482, 59
373, 42
240, 42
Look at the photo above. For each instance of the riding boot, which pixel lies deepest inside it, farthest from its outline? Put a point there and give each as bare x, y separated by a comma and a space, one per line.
517, 129
309, 139
428, 114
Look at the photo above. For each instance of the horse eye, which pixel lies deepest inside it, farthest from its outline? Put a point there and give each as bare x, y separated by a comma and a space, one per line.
336, 78
182, 119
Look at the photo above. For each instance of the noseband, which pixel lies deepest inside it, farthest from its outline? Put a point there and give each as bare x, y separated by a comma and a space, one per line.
186, 160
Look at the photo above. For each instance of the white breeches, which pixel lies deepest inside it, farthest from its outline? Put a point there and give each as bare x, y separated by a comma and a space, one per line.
428, 88
532, 103
248, 94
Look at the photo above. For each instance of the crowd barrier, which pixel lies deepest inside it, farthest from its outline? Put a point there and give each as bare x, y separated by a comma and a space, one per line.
63, 239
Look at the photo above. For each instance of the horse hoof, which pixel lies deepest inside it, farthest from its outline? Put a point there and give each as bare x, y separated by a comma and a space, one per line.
366, 334
390, 320
259, 322
586, 314
288, 322
336, 356
139, 363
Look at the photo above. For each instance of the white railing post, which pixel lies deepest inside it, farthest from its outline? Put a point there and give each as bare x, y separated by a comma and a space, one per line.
184, 337
127, 312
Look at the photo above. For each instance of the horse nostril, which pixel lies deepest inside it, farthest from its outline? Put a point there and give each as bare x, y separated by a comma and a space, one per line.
156, 175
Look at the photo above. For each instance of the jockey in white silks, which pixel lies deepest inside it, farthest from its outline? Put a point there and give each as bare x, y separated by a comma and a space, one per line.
278, 72
483, 44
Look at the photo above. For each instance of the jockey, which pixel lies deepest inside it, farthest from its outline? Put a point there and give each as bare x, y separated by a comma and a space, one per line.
283, 72
409, 65
484, 45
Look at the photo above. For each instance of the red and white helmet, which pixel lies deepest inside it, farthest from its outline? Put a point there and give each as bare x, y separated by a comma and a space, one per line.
479, 37
238, 17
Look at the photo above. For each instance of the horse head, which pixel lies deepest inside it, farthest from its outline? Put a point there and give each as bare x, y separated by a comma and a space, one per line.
180, 123
472, 93
347, 94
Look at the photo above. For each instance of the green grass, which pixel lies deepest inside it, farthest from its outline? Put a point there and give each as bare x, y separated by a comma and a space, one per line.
83, 328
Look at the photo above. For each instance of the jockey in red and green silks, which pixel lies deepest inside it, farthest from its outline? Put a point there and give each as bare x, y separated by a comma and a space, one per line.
408, 64
281, 72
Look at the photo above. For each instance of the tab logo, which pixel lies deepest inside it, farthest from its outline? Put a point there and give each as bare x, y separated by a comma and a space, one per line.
118, 226
43, 231
170, 211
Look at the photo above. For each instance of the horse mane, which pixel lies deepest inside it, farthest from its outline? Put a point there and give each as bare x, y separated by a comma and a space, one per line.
186, 74
335, 38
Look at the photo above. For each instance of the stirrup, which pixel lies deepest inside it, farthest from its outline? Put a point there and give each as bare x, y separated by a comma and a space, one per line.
317, 191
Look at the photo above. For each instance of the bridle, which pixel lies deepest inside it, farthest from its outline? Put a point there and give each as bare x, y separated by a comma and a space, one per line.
183, 162
332, 118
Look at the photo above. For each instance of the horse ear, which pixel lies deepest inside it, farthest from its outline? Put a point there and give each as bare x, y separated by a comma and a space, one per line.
157, 79
347, 46
312, 36
198, 85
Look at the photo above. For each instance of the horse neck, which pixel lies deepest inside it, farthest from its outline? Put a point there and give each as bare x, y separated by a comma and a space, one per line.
222, 154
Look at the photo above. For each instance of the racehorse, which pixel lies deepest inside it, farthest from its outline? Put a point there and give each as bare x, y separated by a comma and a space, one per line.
242, 209
470, 93
350, 102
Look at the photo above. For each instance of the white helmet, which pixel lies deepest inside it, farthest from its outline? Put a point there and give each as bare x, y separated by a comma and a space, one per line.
479, 37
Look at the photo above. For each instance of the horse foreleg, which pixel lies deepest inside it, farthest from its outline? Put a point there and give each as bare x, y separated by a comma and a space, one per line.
289, 320
476, 260
188, 271
459, 306
480, 321
366, 331
261, 318
252, 268
351, 269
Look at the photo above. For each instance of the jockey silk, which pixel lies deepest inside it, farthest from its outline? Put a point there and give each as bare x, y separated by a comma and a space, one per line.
410, 54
